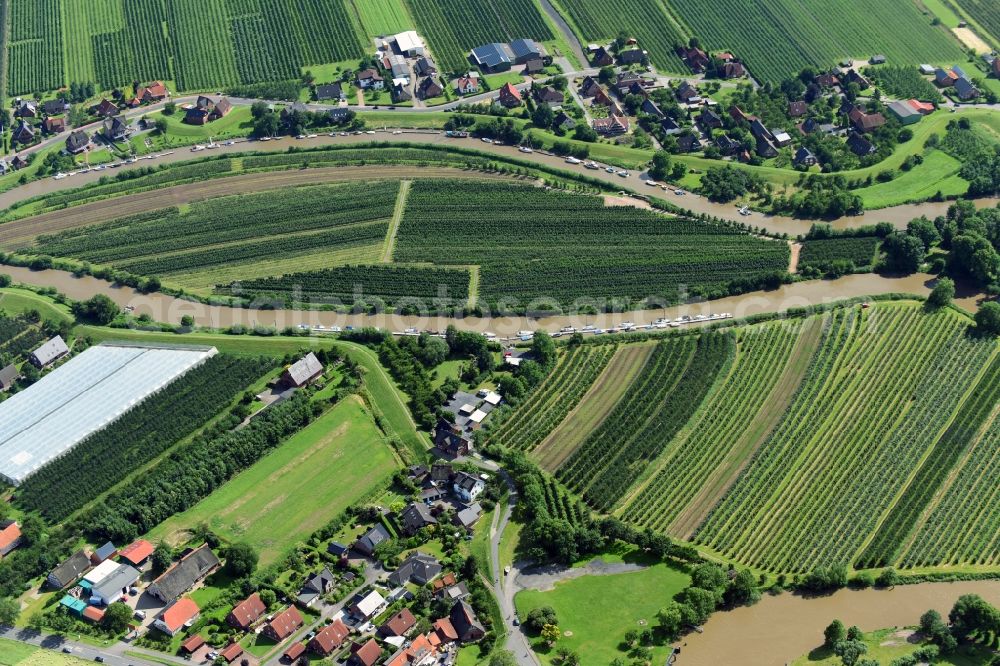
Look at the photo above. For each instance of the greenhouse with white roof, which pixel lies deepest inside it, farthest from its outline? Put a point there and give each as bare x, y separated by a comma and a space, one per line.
83, 396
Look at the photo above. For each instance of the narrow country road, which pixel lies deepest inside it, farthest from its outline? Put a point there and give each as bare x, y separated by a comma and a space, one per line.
113, 655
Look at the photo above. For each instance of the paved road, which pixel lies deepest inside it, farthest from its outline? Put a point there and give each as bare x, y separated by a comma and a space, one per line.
114, 655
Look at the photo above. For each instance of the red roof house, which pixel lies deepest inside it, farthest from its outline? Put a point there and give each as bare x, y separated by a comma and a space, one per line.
294, 652
93, 613
232, 652
177, 615
365, 655
245, 613
329, 638
137, 552
193, 643
10, 536
154, 92
399, 624
510, 96
921, 107
445, 630
283, 625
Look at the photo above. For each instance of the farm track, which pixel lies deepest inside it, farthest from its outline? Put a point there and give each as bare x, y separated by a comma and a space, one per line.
595, 405
397, 216
20, 233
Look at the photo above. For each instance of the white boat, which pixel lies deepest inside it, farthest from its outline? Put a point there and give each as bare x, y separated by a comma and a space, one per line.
197, 148
310, 136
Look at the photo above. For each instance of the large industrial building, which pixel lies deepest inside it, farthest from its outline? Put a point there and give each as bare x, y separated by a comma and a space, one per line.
81, 397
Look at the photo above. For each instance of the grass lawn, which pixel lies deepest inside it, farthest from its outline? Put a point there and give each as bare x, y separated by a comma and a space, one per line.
496, 81
14, 300
471, 655
943, 12
884, 646
237, 123
380, 18
297, 488
509, 541
15, 653
448, 369
597, 611
939, 171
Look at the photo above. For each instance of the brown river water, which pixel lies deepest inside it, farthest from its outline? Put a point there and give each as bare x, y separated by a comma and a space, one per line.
169, 309
779, 629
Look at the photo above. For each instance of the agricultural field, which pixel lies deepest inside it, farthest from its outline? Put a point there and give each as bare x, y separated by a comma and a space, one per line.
625, 601
16, 653
380, 18
826, 252
247, 236
986, 14
392, 284
165, 419
655, 407
19, 335
297, 488
454, 27
904, 81
778, 38
657, 29
573, 375
198, 46
546, 249
882, 385
728, 429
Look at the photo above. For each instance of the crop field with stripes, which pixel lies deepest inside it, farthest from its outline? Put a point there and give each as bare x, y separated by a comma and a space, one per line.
863, 436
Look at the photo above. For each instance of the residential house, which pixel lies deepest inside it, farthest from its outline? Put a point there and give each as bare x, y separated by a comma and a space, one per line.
401, 91
283, 625
52, 350
467, 487
651, 108
687, 92
54, 124
429, 88
853, 77
469, 516
368, 606
590, 87
24, 133
442, 472
727, 145
766, 147
670, 126
183, 575
865, 122
399, 624
733, 69
688, 142
294, 107
466, 624
329, 638
115, 128
445, 631
366, 654
105, 109
420, 652
601, 57
302, 371
329, 91
966, 90
826, 80
491, 58
468, 84
548, 95
859, 145
945, 78
613, 125
372, 538
8, 376
415, 517
534, 66
760, 131
449, 438
695, 58
10, 536
232, 652
337, 549
418, 568
176, 615
425, 67
55, 107
206, 110
154, 92
709, 120
804, 157
797, 108
77, 142
137, 553
246, 613
18, 162
370, 79
564, 121
782, 138
510, 96
26, 108
737, 114
316, 585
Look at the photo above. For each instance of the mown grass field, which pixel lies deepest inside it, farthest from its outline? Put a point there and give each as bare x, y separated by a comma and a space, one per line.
295, 490
381, 18
14, 300
599, 610
16, 653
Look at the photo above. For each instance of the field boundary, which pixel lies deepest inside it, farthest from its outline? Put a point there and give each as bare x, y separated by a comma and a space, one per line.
397, 217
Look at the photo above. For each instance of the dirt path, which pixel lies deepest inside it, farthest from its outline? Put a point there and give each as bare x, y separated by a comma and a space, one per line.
594, 407
771, 411
793, 260
397, 217
20, 233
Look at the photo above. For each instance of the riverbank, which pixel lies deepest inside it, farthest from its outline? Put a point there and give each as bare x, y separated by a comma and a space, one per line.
168, 309
779, 629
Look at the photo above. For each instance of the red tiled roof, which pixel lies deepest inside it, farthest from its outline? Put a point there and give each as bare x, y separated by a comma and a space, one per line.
193, 643
137, 552
330, 638
922, 107
444, 581
446, 630
182, 611
232, 652
399, 623
9, 535
295, 651
285, 623
510, 91
247, 611
93, 613
368, 653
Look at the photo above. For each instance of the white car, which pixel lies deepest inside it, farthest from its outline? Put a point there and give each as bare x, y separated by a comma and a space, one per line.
610, 169
590, 165
59, 176
680, 193
652, 183
397, 131
300, 136
623, 173
486, 140
525, 149
370, 132
572, 160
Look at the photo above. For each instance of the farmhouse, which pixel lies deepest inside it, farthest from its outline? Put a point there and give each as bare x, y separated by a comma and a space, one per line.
206, 110
468, 84
418, 568
370, 79
54, 125
302, 371
510, 96
601, 57
115, 128
176, 615
613, 125
77, 142
316, 585
695, 58
154, 92
10, 536
429, 88
966, 90
329, 638
283, 625
246, 613
75, 405
183, 575
372, 538
425, 67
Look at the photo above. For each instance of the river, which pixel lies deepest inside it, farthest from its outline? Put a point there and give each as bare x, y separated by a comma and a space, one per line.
164, 308
778, 629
